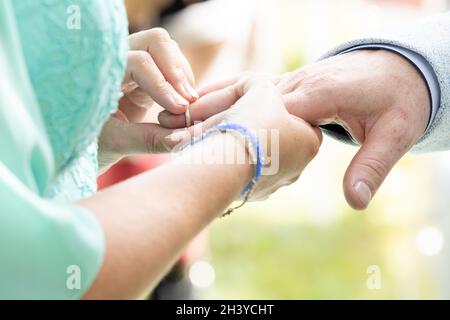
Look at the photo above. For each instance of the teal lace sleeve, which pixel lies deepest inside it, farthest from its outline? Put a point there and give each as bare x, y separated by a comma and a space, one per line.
75, 52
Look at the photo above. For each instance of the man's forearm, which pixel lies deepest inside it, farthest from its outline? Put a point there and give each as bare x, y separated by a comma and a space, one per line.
148, 220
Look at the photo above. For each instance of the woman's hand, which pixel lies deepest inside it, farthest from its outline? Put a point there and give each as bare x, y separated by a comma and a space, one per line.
166, 207
158, 72
256, 104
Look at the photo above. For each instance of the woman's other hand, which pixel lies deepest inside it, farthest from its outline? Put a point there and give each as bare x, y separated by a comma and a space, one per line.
157, 71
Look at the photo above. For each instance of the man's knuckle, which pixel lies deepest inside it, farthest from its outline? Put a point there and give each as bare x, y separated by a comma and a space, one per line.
308, 97
376, 166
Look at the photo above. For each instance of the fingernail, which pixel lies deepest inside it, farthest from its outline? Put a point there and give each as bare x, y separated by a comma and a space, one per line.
179, 99
178, 136
190, 91
363, 192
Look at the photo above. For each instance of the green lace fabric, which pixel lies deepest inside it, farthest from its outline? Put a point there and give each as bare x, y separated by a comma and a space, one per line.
75, 52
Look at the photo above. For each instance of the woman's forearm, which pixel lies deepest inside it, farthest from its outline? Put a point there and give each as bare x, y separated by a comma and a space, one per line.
147, 220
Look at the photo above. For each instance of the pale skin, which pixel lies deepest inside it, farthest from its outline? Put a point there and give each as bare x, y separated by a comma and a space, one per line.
149, 219
158, 72
377, 96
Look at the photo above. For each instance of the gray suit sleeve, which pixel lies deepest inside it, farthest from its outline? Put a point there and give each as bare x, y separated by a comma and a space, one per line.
430, 40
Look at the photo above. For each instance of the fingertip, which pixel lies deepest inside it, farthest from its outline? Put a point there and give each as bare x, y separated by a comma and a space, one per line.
185, 90
178, 104
358, 194
162, 117
170, 120
192, 94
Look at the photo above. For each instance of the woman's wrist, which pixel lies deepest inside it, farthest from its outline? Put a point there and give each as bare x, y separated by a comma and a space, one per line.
165, 208
226, 152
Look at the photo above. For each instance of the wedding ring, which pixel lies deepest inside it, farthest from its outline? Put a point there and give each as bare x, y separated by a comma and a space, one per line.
187, 118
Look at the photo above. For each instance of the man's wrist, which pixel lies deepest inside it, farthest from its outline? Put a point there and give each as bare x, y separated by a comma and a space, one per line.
422, 66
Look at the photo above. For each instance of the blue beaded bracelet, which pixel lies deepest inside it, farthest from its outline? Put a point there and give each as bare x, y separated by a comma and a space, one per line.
254, 149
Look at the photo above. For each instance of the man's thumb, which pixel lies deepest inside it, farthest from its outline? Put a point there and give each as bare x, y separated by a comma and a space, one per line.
379, 153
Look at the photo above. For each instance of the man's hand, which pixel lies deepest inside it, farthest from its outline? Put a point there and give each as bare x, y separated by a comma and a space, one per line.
377, 96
